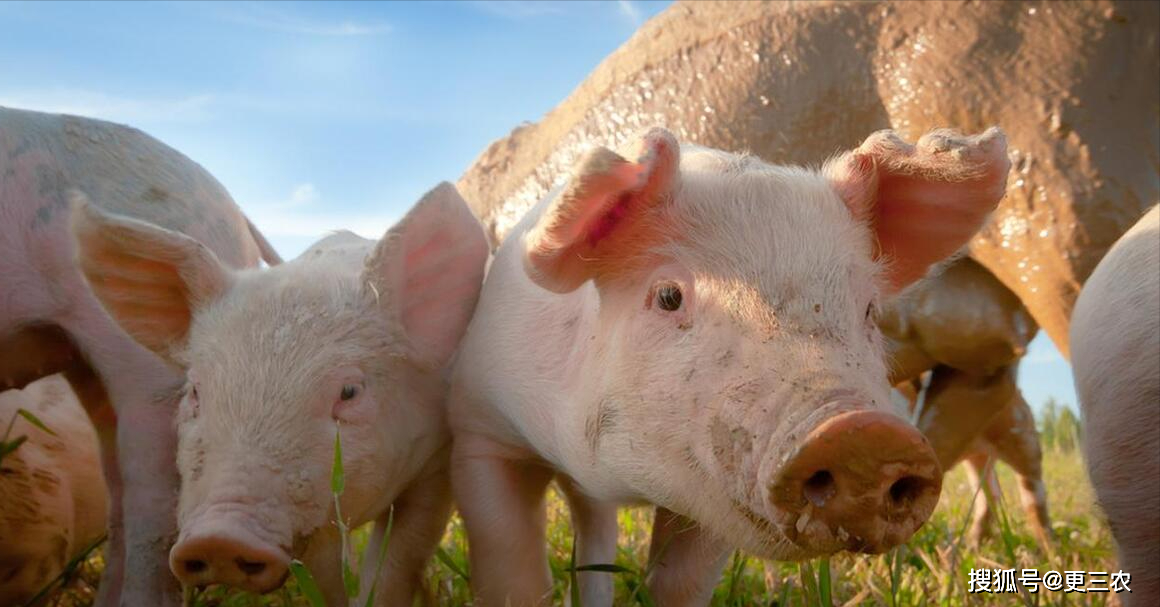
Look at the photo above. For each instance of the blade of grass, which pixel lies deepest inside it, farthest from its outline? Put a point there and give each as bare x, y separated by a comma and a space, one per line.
382, 557
824, 582
573, 579
809, 582
307, 584
35, 421
67, 572
446, 559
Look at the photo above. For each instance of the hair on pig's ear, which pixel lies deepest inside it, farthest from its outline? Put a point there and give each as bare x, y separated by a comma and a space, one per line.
596, 219
427, 272
923, 202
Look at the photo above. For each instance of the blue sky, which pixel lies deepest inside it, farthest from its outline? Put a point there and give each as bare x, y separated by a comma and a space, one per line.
337, 115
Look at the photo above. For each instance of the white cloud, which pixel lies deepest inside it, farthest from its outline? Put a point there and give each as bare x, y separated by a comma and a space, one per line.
93, 104
630, 11
266, 17
303, 194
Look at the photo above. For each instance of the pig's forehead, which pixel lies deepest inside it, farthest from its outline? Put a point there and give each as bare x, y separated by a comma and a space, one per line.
748, 218
277, 319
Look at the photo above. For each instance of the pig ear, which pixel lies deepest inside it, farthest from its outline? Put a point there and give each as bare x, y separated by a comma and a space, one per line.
427, 272
596, 218
150, 280
923, 202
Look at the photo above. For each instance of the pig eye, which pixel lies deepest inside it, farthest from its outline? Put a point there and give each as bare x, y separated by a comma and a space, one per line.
668, 297
871, 312
349, 391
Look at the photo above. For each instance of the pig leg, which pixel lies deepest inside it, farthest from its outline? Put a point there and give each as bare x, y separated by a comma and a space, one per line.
92, 396
420, 516
985, 488
959, 406
686, 561
144, 392
501, 500
596, 529
1016, 442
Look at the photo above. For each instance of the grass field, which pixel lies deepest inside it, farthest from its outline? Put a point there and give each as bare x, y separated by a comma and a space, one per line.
932, 569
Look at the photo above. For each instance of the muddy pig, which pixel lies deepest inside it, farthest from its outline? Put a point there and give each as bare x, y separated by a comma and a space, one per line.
1115, 354
695, 329
52, 493
352, 337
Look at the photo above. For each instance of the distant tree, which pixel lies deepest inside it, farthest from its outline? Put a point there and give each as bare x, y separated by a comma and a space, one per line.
1067, 430
1047, 417
1059, 428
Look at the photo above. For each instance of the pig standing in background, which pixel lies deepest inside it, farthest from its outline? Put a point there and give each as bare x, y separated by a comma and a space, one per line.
353, 334
52, 494
968, 331
695, 330
1115, 354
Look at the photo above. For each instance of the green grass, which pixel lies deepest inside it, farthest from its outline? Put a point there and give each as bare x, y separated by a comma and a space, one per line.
932, 569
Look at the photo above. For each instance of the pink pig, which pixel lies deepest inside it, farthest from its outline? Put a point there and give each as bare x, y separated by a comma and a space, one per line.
1115, 351
352, 334
695, 330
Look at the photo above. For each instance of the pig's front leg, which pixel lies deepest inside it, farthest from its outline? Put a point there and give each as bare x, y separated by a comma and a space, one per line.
501, 500
686, 561
323, 558
420, 516
596, 529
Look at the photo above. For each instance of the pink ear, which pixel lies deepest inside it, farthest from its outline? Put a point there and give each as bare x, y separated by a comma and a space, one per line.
150, 280
428, 271
595, 220
924, 202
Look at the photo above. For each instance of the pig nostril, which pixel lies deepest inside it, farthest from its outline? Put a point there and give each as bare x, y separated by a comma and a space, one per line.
819, 488
906, 490
250, 567
194, 566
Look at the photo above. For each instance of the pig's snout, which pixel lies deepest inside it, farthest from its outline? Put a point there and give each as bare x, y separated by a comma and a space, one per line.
862, 481
221, 554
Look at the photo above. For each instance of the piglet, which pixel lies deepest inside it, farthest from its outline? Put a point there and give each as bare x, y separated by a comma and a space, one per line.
352, 337
695, 329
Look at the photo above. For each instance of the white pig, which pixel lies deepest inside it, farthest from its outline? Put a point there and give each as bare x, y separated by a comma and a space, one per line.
695, 329
1115, 353
353, 334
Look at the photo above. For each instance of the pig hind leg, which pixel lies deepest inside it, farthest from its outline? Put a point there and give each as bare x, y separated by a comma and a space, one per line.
1017, 444
501, 500
594, 523
985, 489
686, 561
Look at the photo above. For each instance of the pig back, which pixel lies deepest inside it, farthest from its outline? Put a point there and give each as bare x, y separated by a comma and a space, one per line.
121, 170
1072, 85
